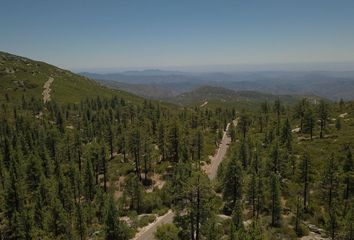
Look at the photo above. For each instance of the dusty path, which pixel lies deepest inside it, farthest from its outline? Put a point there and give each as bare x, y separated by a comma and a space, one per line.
315, 233
313, 236
47, 89
212, 168
204, 104
147, 232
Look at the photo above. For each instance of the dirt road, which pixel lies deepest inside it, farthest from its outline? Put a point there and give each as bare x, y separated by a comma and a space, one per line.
212, 168
147, 232
47, 90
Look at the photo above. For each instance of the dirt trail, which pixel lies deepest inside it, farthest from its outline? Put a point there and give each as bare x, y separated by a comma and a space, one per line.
204, 104
47, 90
212, 168
315, 233
147, 232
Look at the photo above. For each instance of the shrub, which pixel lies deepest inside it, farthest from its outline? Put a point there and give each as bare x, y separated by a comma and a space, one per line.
167, 232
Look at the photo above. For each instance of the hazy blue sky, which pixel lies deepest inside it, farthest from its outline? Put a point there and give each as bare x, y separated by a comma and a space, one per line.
108, 35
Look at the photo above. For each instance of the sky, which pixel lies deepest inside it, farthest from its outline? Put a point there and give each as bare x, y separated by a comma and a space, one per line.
107, 36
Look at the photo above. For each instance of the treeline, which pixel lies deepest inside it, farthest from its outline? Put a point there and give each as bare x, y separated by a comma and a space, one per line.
55, 162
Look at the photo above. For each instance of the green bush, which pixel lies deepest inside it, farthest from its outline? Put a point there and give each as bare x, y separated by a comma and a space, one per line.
160, 211
151, 201
145, 220
167, 232
302, 230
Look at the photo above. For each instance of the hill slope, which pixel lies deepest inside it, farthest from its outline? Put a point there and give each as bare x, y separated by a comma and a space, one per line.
22, 76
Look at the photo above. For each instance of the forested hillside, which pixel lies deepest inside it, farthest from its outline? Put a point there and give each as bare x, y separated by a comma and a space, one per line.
103, 164
290, 172
89, 169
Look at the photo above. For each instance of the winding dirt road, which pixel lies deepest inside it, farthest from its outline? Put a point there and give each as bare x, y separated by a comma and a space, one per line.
212, 168
47, 90
147, 232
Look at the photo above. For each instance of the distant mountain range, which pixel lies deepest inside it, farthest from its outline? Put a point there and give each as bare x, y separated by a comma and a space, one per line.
158, 84
217, 95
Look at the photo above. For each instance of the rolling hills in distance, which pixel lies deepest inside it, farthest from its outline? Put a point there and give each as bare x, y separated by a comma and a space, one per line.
158, 84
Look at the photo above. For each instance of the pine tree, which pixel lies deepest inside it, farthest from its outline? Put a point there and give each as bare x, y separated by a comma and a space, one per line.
58, 222
298, 214
277, 109
114, 229
255, 232
237, 218
300, 112
264, 111
135, 149
260, 196
330, 182
286, 136
233, 182
309, 122
123, 147
110, 138
81, 221
260, 122
39, 213
174, 143
252, 193
244, 123
34, 172
349, 224
243, 153
348, 170
162, 141
332, 224
338, 124
104, 167
14, 193
305, 178
275, 200
147, 159
78, 148
7, 152
232, 132
323, 116
134, 190
199, 145
89, 181
274, 159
